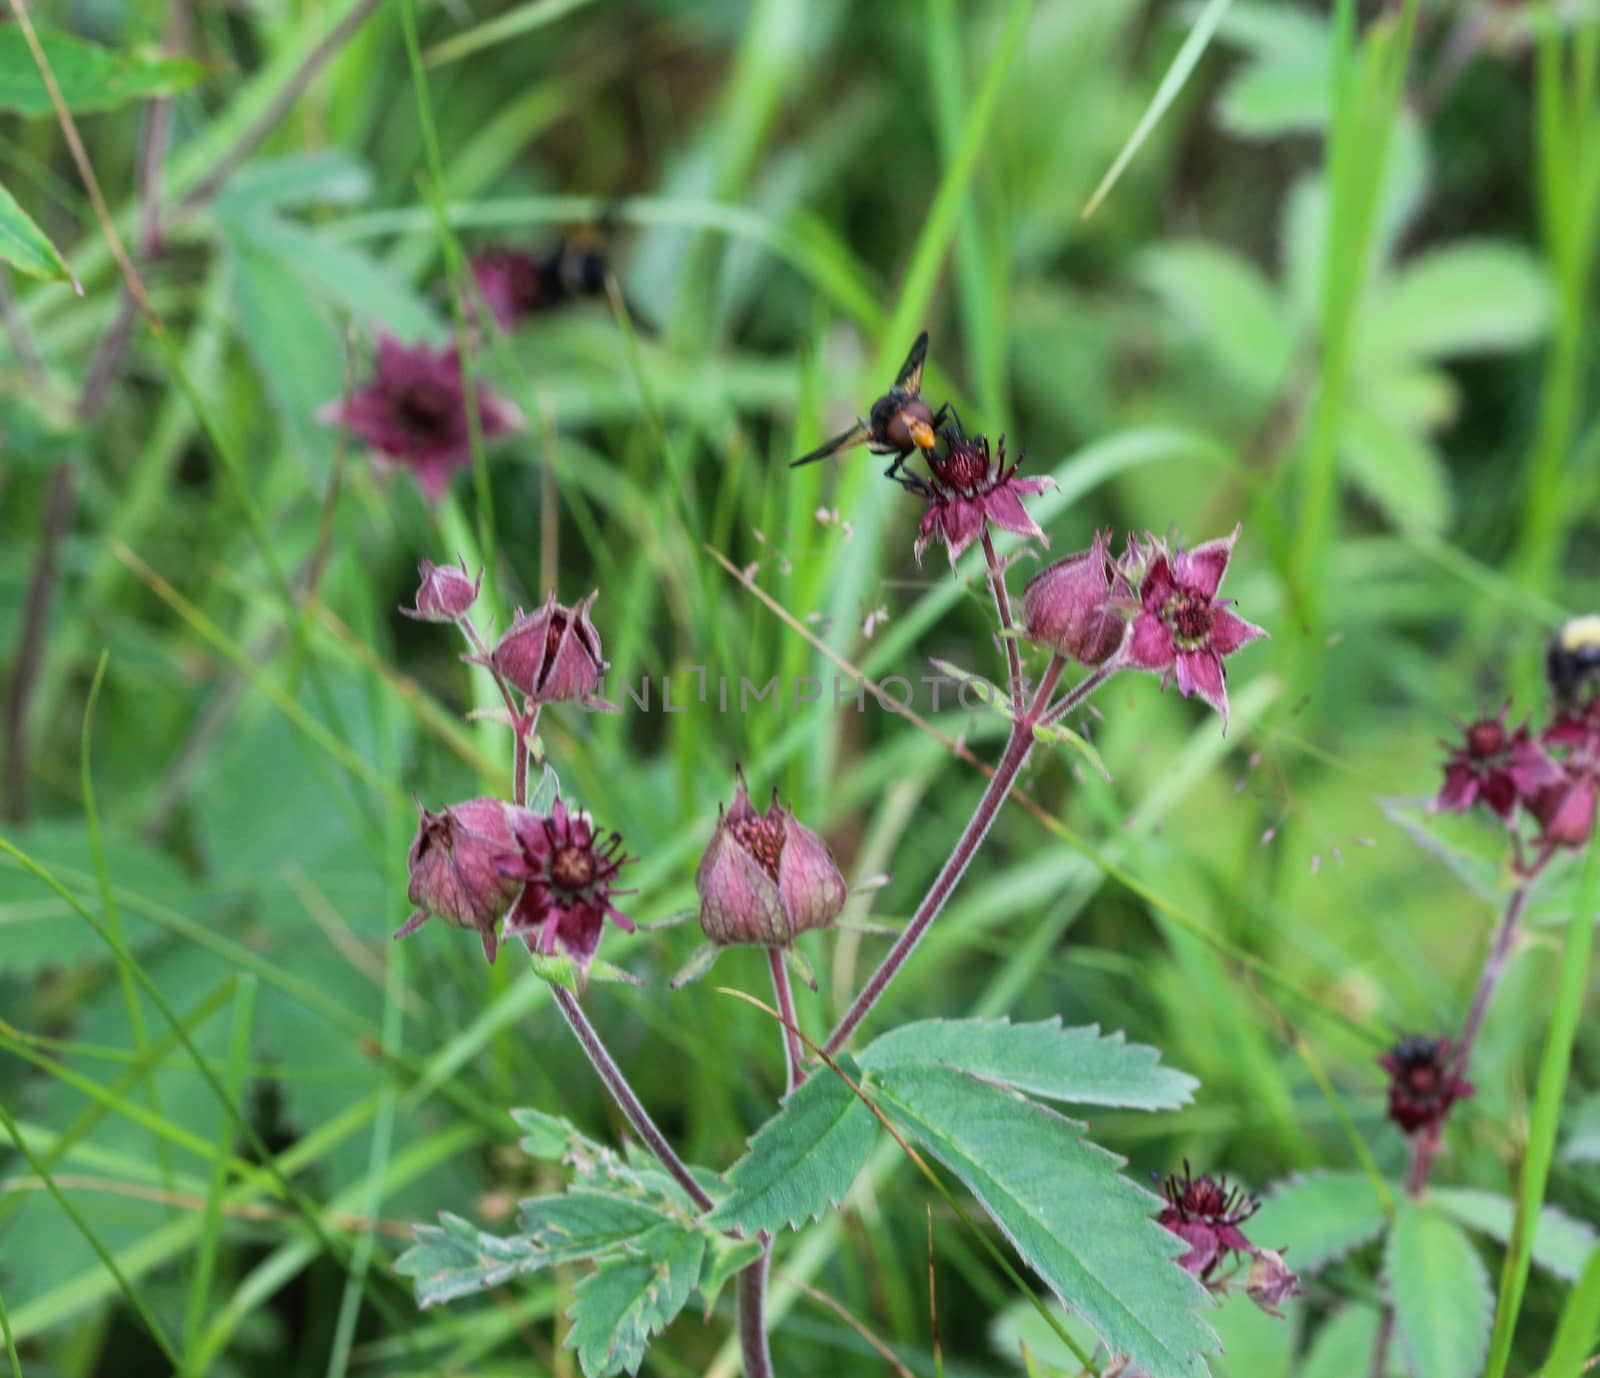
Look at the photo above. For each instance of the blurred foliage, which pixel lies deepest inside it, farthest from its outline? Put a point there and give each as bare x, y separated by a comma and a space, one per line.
788, 191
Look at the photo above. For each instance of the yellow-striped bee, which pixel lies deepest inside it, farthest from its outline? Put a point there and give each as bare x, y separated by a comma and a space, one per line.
1572, 662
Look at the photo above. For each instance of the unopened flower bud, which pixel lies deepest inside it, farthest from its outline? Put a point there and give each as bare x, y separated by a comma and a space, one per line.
552, 654
1423, 1083
446, 593
1566, 810
1072, 606
1270, 1282
458, 864
765, 878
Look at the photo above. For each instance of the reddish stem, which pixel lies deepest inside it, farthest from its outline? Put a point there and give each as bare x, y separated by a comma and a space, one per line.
1002, 605
793, 1051
1005, 774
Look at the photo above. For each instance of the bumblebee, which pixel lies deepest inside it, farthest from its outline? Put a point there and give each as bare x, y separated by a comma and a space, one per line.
1572, 662
899, 423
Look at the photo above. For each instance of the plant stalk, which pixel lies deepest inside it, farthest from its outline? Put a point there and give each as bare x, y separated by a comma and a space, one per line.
1002, 605
793, 1051
1018, 748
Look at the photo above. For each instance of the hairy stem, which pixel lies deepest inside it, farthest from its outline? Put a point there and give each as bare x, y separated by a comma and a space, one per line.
1002, 606
1494, 970
627, 1102
793, 1051
752, 1317
1011, 762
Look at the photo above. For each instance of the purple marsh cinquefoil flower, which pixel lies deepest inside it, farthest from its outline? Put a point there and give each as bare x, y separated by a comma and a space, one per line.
566, 870
413, 412
1207, 1214
446, 593
553, 653
1074, 605
1494, 766
458, 866
1422, 1083
970, 488
1183, 630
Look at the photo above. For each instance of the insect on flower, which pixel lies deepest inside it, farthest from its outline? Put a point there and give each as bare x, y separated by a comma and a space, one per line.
899, 423
1572, 662
518, 284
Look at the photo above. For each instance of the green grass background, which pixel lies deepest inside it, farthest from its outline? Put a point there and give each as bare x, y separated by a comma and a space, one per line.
1343, 292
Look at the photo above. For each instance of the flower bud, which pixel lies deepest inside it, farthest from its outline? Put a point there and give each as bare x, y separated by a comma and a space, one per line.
1566, 811
1270, 1282
1423, 1084
446, 593
458, 864
553, 654
1071, 606
765, 878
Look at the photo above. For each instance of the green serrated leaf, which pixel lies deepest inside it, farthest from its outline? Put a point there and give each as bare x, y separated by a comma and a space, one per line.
1076, 1221
90, 77
25, 246
803, 1160
455, 1259
725, 1256
1344, 1345
582, 1222
1320, 1218
1470, 297
617, 1310
1078, 1065
1440, 1291
548, 1137
1561, 1244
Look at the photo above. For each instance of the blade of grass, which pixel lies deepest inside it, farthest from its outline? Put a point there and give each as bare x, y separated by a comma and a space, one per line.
1579, 1324
143, 1312
523, 19
211, 1223
1554, 1067
11, 1345
1183, 64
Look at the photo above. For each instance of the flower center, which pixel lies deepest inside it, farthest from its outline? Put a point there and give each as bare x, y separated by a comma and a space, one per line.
1189, 619
1485, 739
572, 868
963, 466
425, 408
763, 839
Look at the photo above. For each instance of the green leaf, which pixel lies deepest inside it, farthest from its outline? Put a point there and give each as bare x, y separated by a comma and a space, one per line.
1583, 1133
616, 1311
1344, 1345
549, 1137
24, 246
1044, 1059
455, 1259
1254, 1344
557, 970
1087, 1231
1561, 1244
90, 77
1579, 1325
1320, 1218
582, 1223
1266, 99
725, 1256
1397, 469
1440, 1290
803, 1159
1227, 305
1475, 297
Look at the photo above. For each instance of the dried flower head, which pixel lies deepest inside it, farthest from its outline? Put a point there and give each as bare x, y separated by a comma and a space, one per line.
1422, 1083
765, 878
553, 653
970, 488
1183, 629
1206, 1213
1494, 766
458, 867
1073, 606
413, 411
446, 593
566, 871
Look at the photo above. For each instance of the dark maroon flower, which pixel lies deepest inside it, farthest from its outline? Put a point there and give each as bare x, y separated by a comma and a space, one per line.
1494, 766
514, 284
1422, 1083
1075, 605
458, 867
566, 871
1578, 727
970, 488
446, 592
1183, 629
553, 653
413, 411
1206, 1213
765, 878
1565, 810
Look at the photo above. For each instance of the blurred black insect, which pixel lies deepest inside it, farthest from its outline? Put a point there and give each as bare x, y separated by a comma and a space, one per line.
517, 284
1572, 661
899, 423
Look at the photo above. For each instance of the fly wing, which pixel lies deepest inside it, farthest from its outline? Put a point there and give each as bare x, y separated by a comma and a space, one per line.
909, 379
856, 435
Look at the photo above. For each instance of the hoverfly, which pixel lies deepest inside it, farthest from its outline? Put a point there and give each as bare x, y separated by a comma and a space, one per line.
899, 423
